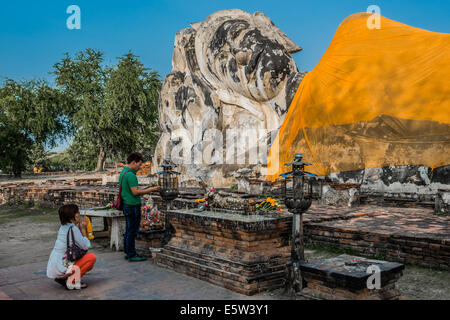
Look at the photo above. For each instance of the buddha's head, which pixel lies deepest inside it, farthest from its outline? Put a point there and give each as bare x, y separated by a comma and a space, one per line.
233, 70
244, 53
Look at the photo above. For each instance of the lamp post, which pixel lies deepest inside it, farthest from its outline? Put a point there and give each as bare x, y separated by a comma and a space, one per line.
168, 181
298, 199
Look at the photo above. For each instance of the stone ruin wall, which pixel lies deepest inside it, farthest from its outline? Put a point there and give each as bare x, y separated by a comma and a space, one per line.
405, 185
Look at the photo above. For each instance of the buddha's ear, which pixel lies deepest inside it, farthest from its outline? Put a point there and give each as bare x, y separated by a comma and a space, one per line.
195, 25
267, 26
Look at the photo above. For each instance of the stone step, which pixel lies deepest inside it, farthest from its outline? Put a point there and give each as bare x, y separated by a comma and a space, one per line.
201, 266
254, 270
228, 280
239, 263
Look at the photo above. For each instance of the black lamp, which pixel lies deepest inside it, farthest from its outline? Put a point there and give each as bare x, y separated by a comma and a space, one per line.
168, 181
297, 191
298, 198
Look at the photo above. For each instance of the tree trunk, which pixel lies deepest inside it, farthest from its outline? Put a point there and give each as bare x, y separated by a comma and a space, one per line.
101, 160
17, 169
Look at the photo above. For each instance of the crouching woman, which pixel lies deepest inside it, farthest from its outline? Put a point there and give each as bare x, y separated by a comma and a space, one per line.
59, 267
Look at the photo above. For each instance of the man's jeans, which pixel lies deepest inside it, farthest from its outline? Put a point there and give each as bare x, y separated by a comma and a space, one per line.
132, 222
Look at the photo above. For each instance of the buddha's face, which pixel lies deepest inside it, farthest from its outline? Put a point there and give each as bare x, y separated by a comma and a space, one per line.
241, 57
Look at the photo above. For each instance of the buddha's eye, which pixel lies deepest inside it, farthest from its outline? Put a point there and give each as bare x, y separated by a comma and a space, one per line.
243, 57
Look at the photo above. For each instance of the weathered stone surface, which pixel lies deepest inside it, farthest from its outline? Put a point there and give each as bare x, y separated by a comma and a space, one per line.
339, 197
346, 278
442, 202
394, 184
233, 70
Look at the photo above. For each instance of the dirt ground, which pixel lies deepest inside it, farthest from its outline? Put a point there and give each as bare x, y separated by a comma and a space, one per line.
27, 235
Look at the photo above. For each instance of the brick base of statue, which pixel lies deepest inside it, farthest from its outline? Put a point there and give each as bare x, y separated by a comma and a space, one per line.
246, 254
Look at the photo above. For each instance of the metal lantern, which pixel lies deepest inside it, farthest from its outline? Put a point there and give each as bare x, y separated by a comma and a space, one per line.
297, 191
168, 181
299, 198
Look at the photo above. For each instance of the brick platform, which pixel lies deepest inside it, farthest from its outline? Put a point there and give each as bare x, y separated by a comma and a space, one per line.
245, 254
415, 236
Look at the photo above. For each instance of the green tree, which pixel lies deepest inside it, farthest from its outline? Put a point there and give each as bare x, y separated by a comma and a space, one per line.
60, 162
39, 157
83, 78
131, 97
31, 113
115, 109
13, 153
82, 154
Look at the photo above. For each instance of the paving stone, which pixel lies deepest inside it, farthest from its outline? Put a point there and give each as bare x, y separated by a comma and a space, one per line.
114, 278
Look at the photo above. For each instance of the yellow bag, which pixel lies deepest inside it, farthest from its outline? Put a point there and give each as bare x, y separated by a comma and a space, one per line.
89, 229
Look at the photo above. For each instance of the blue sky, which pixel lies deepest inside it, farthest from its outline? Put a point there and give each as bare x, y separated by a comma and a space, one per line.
34, 35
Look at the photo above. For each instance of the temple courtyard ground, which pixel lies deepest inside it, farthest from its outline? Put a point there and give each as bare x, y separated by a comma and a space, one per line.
27, 236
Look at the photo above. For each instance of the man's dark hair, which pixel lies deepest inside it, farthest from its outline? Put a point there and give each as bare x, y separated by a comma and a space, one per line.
67, 213
135, 156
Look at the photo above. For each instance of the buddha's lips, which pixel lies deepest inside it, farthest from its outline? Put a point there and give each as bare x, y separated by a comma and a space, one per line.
252, 66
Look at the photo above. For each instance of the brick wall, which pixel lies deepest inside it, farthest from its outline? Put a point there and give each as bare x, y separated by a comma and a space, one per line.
56, 196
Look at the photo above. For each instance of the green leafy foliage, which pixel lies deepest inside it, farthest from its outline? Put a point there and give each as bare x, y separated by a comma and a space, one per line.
83, 79
131, 98
39, 157
31, 114
114, 109
82, 154
108, 111
13, 153
61, 162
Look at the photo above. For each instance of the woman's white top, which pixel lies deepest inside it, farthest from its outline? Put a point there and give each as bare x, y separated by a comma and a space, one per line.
58, 265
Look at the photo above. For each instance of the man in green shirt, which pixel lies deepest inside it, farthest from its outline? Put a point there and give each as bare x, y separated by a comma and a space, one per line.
131, 198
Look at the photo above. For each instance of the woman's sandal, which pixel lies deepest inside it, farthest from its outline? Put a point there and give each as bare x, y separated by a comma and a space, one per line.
61, 282
82, 286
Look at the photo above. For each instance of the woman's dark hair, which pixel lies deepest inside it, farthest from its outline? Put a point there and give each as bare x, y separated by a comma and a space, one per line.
67, 213
135, 156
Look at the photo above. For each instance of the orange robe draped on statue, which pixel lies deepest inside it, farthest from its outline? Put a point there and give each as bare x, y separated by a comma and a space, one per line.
377, 98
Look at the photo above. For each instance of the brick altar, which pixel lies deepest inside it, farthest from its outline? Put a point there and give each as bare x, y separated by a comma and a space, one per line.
243, 253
